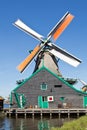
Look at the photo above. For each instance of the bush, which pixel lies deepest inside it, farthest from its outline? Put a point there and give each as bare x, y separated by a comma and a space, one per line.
78, 124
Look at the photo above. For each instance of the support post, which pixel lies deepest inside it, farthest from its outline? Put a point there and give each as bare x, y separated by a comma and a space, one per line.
68, 114
59, 114
78, 113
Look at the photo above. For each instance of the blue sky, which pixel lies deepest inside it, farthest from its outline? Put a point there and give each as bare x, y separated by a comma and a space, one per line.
40, 16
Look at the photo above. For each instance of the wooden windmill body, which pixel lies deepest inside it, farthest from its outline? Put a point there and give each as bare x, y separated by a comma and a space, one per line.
48, 60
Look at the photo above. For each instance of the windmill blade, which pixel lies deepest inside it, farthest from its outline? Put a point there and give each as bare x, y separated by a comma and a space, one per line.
29, 58
83, 82
60, 26
19, 24
64, 55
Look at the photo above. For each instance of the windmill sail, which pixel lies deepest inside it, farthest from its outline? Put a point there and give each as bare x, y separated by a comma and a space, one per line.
29, 58
64, 55
54, 33
19, 24
60, 26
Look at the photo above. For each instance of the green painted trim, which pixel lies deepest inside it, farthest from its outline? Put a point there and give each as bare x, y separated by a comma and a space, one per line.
85, 101
28, 78
17, 99
62, 99
65, 82
58, 77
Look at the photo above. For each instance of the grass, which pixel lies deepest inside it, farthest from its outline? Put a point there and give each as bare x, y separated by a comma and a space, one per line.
78, 124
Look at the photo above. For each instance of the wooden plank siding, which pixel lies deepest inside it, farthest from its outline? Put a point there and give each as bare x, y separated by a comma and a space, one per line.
31, 89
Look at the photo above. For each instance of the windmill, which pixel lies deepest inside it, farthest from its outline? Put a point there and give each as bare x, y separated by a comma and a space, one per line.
47, 48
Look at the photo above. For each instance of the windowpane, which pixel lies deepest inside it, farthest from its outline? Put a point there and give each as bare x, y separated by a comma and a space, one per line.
43, 86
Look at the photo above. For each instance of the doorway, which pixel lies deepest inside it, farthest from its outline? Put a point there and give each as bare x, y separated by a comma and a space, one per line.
43, 102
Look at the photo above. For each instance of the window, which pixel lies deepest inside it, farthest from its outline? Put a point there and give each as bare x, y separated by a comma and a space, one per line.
62, 98
43, 86
58, 86
44, 98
